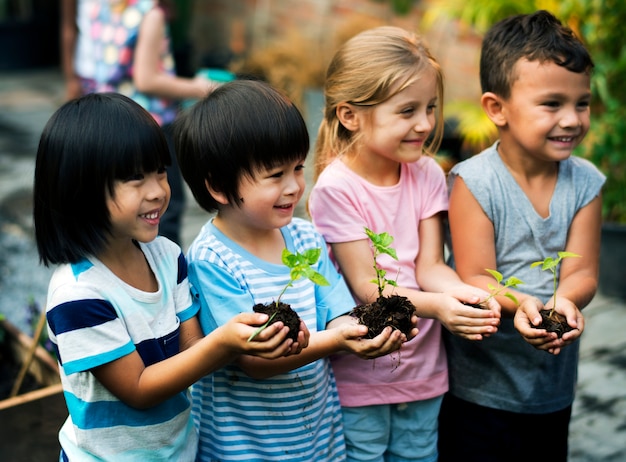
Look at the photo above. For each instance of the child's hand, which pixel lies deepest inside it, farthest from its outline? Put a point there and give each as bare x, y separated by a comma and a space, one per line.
302, 341
350, 335
527, 316
466, 321
269, 343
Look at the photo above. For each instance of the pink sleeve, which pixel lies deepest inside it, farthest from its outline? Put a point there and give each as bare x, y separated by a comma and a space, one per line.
334, 209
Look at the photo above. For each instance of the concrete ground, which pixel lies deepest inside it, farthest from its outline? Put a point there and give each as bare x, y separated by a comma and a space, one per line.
27, 99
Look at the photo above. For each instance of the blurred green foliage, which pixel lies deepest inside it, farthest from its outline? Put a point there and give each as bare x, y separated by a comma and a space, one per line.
600, 24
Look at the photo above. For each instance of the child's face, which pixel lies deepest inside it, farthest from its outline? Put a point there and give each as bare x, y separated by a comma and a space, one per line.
398, 128
547, 114
270, 198
138, 204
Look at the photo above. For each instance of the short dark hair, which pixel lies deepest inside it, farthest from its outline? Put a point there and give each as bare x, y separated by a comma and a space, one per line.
87, 145
539, 36
240, 127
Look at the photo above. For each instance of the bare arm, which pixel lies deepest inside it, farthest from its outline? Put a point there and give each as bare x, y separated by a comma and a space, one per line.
473, 241
342, 334
143, 387
578, 280
356, 261
147, 75
68, 39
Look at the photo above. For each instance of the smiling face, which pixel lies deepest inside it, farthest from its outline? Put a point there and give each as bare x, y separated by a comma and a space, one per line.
547, 113
269, 199
396, 130
137, 205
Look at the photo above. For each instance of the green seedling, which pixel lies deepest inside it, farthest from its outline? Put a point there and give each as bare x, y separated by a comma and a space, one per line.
551, 264
500, 287
300, 266
381, 245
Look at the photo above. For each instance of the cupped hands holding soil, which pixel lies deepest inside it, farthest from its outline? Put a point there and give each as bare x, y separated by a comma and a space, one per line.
284, 313
394, 310
554, 322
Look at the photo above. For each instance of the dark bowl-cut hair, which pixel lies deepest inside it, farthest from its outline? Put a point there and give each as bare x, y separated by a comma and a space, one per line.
241, 127
539, 36
87, 145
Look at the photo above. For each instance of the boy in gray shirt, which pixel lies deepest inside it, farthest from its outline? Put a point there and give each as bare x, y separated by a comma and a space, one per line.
524, 199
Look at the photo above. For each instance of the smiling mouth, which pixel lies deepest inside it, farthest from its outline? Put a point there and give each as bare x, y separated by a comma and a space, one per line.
150, 216
563, 139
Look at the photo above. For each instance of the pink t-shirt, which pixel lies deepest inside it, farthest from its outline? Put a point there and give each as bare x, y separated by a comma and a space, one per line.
342, 204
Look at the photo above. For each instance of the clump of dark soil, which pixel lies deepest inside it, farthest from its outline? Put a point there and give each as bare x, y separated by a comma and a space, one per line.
554, 322
284, 313
395, 311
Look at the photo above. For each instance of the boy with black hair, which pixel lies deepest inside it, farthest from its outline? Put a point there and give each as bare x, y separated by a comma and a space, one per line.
524, 199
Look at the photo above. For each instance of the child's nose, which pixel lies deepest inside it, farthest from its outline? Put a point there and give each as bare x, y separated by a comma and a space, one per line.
422, 124
571, 118
158, 187
292, 186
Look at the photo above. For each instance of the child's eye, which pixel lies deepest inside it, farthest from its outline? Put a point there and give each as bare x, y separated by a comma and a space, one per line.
552, 104
161, 170
299, 167
431, 108
583, 105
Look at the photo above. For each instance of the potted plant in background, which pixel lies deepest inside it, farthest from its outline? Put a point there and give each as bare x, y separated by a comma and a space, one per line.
600, 25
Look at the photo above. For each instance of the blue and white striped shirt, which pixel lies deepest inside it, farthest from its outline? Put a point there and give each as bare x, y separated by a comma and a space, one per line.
95, 318
293, 416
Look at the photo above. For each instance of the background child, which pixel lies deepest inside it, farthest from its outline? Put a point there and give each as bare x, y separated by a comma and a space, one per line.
242, 151
521, 200
119, 307
382, 90
124, 46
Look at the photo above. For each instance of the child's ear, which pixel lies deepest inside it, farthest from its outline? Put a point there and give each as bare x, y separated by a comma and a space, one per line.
493, 107
347, 116
219, 197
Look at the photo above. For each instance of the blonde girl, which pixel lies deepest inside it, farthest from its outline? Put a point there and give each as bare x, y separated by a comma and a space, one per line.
381, 125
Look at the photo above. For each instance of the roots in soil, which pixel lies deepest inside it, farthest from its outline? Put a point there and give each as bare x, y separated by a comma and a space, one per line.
395, 311
554, 323
284, 313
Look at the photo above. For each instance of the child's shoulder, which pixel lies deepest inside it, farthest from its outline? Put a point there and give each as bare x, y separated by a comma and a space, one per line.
482, 168
304, 234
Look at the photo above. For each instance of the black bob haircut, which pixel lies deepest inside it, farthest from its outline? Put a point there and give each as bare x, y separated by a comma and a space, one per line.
239, 128
87, 145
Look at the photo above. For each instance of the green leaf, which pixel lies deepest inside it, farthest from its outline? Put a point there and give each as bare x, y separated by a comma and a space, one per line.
513, 282
563, 255
496, 275
319, 279
311, 256
510, 296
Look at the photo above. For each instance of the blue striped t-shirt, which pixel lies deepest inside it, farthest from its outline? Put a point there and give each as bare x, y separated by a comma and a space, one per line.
293, 416
95, 318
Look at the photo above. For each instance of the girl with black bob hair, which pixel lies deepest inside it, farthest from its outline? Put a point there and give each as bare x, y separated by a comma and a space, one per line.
119, 307
87, 145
